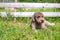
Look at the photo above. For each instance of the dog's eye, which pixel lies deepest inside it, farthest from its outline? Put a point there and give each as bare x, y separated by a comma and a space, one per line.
42, 16
38, 17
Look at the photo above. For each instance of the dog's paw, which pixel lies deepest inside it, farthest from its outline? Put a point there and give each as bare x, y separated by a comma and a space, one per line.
35, 31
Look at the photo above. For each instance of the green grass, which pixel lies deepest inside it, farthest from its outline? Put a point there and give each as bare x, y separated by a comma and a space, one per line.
34, 10
40, 1
40, 10
2, 10
21, 30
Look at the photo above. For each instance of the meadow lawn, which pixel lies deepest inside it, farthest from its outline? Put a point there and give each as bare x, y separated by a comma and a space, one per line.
21, 30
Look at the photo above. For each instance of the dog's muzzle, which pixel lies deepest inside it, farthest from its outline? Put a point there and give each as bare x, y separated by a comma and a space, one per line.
42, 21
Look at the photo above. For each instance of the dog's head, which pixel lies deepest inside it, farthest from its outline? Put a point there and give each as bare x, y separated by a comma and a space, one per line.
38, 17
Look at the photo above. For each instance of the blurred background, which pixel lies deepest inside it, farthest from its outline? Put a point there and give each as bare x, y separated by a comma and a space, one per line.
16, 27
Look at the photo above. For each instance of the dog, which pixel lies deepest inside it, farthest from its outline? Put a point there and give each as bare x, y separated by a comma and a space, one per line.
38, 21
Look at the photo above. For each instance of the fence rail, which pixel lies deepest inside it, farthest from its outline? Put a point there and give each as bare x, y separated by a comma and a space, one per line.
29, 14
31, 5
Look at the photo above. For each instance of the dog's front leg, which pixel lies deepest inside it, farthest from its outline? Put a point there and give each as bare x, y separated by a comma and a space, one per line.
44, 27
48, 23
34, 27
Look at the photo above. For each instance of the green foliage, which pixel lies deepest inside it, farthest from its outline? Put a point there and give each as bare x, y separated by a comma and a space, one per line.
2, 10
21, 30
41, 1
34, 10
39, 10
37, 1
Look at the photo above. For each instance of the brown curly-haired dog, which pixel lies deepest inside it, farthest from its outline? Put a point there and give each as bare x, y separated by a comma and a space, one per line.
38, 21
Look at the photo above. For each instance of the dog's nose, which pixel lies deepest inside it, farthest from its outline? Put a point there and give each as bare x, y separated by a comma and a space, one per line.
42, 21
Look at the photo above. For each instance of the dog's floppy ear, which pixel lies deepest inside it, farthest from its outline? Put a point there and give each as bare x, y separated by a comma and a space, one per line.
33, 19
